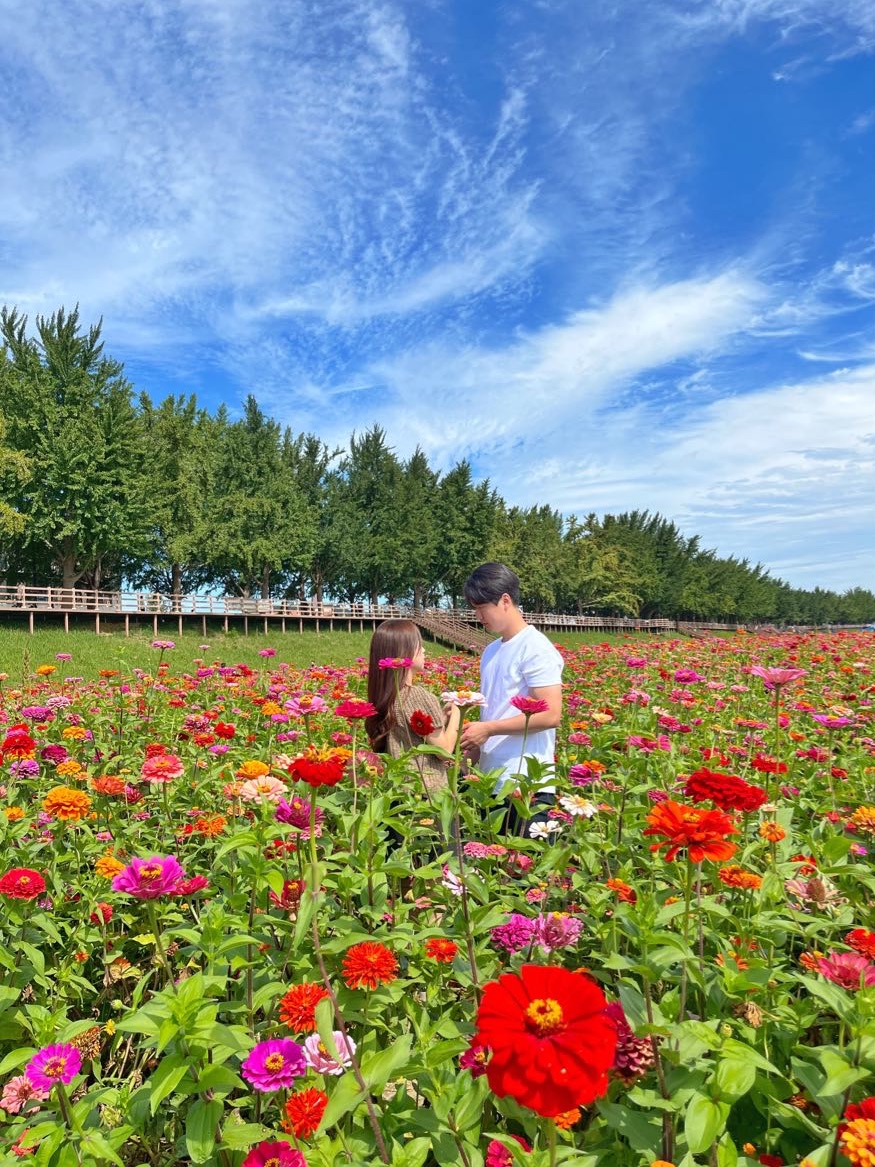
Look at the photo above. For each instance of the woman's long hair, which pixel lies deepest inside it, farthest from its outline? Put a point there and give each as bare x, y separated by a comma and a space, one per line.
392, 638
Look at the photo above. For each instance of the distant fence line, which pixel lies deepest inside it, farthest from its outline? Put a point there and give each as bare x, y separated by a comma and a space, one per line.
51, 603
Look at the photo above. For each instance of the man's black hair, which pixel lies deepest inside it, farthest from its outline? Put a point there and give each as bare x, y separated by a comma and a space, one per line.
490, 582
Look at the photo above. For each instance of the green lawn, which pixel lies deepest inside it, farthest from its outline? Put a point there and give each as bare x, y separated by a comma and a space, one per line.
20, 653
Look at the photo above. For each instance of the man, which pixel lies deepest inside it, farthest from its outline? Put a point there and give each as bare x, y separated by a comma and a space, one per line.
522, 662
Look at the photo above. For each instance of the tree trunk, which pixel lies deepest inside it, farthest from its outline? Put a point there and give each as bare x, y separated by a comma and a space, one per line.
265, 582
176, 578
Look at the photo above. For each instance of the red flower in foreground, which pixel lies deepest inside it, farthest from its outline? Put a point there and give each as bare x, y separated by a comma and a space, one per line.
421, 723
304, 1111
353, 710
298, 1006
701, 833
316, 771
22, 883
368, 965
552, 1042
862, 942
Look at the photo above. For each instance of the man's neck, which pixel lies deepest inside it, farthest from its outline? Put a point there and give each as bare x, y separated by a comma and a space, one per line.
516, 627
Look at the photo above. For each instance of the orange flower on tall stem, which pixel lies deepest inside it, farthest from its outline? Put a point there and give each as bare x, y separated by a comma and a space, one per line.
368, 965
701, 833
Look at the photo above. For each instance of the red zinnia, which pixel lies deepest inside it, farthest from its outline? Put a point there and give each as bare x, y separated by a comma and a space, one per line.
421, 723
298, 1006
22, 883
701, 833
863, 942
317, 771
552, 1042
441, 950
224, 730
368, 965
726, 790
354, 710
304, 1111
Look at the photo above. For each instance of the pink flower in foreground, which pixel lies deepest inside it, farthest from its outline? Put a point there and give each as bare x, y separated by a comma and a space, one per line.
18, 1092
529, 705
497, 1154
54, 1064
147, 879
162, 768
848, 969
274, 1064
261, 790
278, 1154
396, 662
777, 676
353, 710
320, 1060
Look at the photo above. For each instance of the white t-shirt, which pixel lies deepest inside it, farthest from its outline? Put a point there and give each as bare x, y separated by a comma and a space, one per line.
509, 668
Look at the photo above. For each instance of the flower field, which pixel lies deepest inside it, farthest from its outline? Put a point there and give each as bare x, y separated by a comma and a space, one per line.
232, 935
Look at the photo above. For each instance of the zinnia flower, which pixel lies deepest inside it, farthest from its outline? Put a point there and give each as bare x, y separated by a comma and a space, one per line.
274, 1064
858, 1142
848, 969
262, 790
441, 950
22, 883
552, 1042
529, 705
66, 804
147, 879
18, 1092
162, 768
777, 677
274, 1154
323, 1062
497, 1154
701, 833
368, 965
297, 1006
353, 710
421, 723
304, 1112
862, 942
317, 771
726, 790
54, 1064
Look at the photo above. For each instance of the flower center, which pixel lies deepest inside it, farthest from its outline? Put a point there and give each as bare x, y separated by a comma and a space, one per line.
152, 871
545, 1017
274, 1062
272, 1162
55, 1067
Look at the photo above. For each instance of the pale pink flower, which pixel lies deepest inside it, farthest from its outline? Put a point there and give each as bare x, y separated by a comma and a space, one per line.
772, 676
320, 1060
18, 1092
264, 789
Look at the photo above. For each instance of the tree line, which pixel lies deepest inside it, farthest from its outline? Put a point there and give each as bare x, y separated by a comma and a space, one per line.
100, 486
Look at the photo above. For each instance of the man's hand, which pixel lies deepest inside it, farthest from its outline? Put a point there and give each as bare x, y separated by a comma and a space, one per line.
475, 735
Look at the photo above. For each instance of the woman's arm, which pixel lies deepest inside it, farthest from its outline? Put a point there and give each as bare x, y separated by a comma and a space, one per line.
446, 738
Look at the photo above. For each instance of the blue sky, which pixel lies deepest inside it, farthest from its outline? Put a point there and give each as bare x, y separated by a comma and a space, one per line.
617, 256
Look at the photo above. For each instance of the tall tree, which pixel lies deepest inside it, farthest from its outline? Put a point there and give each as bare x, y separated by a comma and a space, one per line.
467, 515
68, 409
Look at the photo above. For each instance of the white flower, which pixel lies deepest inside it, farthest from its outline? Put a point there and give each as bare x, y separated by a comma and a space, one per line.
451, 881
462, 698
544, 830
577, 806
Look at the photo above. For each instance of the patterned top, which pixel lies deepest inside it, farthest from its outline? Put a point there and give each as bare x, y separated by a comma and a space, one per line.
402, 738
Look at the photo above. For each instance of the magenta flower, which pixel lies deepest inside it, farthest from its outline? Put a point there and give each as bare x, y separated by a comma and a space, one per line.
396, 662
320, 1060
529, 705
848, 969
274, 1064
518, 933
147, 879
18, 1092
773, 677
557, 930
353, 710
53, 1064
830, 722
266, 653
164, 644
278, 1154
297, 813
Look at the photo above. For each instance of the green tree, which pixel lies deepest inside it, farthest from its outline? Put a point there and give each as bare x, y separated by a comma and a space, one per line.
69, 412
467, 515
14, 473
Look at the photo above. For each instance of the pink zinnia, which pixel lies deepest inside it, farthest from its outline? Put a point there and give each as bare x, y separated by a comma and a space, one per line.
53, 1064
162, 768
777, 676
320, 1060
353, 710
297, 813
147, 879
274, 1064
278, 1154
557, 930
265, 789
396, 662
18, 1092
497, 1154
529, 705
848, 969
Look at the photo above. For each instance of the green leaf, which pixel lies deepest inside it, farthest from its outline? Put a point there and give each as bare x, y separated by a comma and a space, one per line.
240, 1136
733, 1078
412, 1154
378, 1068
345, 1097
98, 1148
840, 1075
165, 1080
704, 1121
201, 1126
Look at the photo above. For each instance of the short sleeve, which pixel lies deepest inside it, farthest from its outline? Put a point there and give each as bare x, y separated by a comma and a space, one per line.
543, 666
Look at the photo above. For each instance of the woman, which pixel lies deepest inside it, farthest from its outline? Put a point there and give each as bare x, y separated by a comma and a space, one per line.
407, 715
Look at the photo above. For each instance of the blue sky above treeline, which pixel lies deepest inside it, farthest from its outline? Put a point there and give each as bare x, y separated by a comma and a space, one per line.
618, 256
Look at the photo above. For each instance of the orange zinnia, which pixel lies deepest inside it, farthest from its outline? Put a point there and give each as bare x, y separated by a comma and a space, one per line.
368, 965
66, 804
108, 867
298, 1006
304, 1111
736, 876
701, 833
252, 769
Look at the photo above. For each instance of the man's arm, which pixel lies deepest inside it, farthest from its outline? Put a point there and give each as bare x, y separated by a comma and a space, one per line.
477, 733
